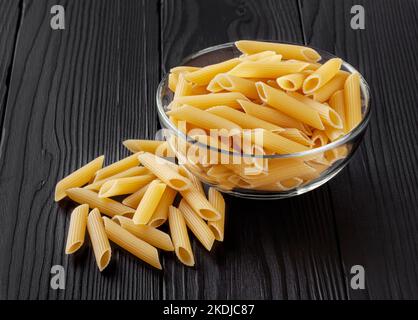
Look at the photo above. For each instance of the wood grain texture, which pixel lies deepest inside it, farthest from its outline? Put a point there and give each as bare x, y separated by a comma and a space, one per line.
74, 94
276, 249
10, 17
375, 199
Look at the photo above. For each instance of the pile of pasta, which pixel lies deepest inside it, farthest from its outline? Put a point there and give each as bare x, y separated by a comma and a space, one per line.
155, 191
281, 89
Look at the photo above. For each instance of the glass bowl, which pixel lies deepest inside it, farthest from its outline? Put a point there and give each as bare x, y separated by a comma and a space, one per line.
277, 176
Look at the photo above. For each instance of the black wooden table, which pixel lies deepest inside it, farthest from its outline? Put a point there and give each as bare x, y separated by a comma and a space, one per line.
67, 96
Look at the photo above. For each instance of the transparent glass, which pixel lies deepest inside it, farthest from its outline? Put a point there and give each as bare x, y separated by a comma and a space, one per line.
286, 174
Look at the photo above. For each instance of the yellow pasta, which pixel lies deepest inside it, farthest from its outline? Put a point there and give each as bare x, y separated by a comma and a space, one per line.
319, 138
106, 206
289, 184
200, 204
151, 146
183, 87
117, 187
99, 241
77, 229
328, 115
172, 81
161, 212
78, 178
217, 201
134, 199
289, 105
336, 102
194, 180
199, 228
288, 51
205, 101
271, 115
335, 84
164, 172
291, 82
322, 75
180, 69
297, 136
334, 134
131, 172
181, 241
232, 83
352, 101
149, 202
257, 56
153, 236
117, 167
266, 69
281, 145
132, 244
204, 75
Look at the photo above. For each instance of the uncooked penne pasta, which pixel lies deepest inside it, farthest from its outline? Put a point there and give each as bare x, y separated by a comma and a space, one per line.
151, 146
77, 229
131, 172
266, 69
180, 69
335, 84
160, 215
117, 187
153, 236
232, 83
205, 75
281, 145
181, 241
292, 82
217, 201
165, 173
334, 134
78, 178
328, 115
134, 199
297, 136
183, 88
132, 244
290, 184
106, 206
172, 81
257, 56
99, 241
288, 51
352, 101
319, 138
337, 103
195, 181
289, 105
200, 204
196, 224
149, 202
322, 75
117, 167
204, 101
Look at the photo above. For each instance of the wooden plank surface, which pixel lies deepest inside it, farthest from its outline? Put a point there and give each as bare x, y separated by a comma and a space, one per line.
283, 249
375, 199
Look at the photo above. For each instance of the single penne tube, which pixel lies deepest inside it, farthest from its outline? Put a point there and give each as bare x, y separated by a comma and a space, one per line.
200, 204
297, 136
319, 138
166, 173
336, 154
291, 82
336, 102
352, 101
328, 115
117, 167
196, 224
77, 229
131, 172
337, 83
160, 215
275, 58
270, 115
106, 206
181, 241
183, 88
149, 202
289, 105
99, 240
204, 101
78, 178
195, 181
266, 69
257, 56
203, 118
132, 244
232, 83
321, 76
180, 69
333, 134
217, 201
243, 119
134, 199
279, 144
151, 146
204, 75
117, 187
288, 51
153, 236
172, 81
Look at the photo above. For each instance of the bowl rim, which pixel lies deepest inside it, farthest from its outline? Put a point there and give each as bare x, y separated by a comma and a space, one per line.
361, 127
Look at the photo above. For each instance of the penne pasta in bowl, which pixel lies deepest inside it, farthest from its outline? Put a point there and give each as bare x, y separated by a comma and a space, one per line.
263, 120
